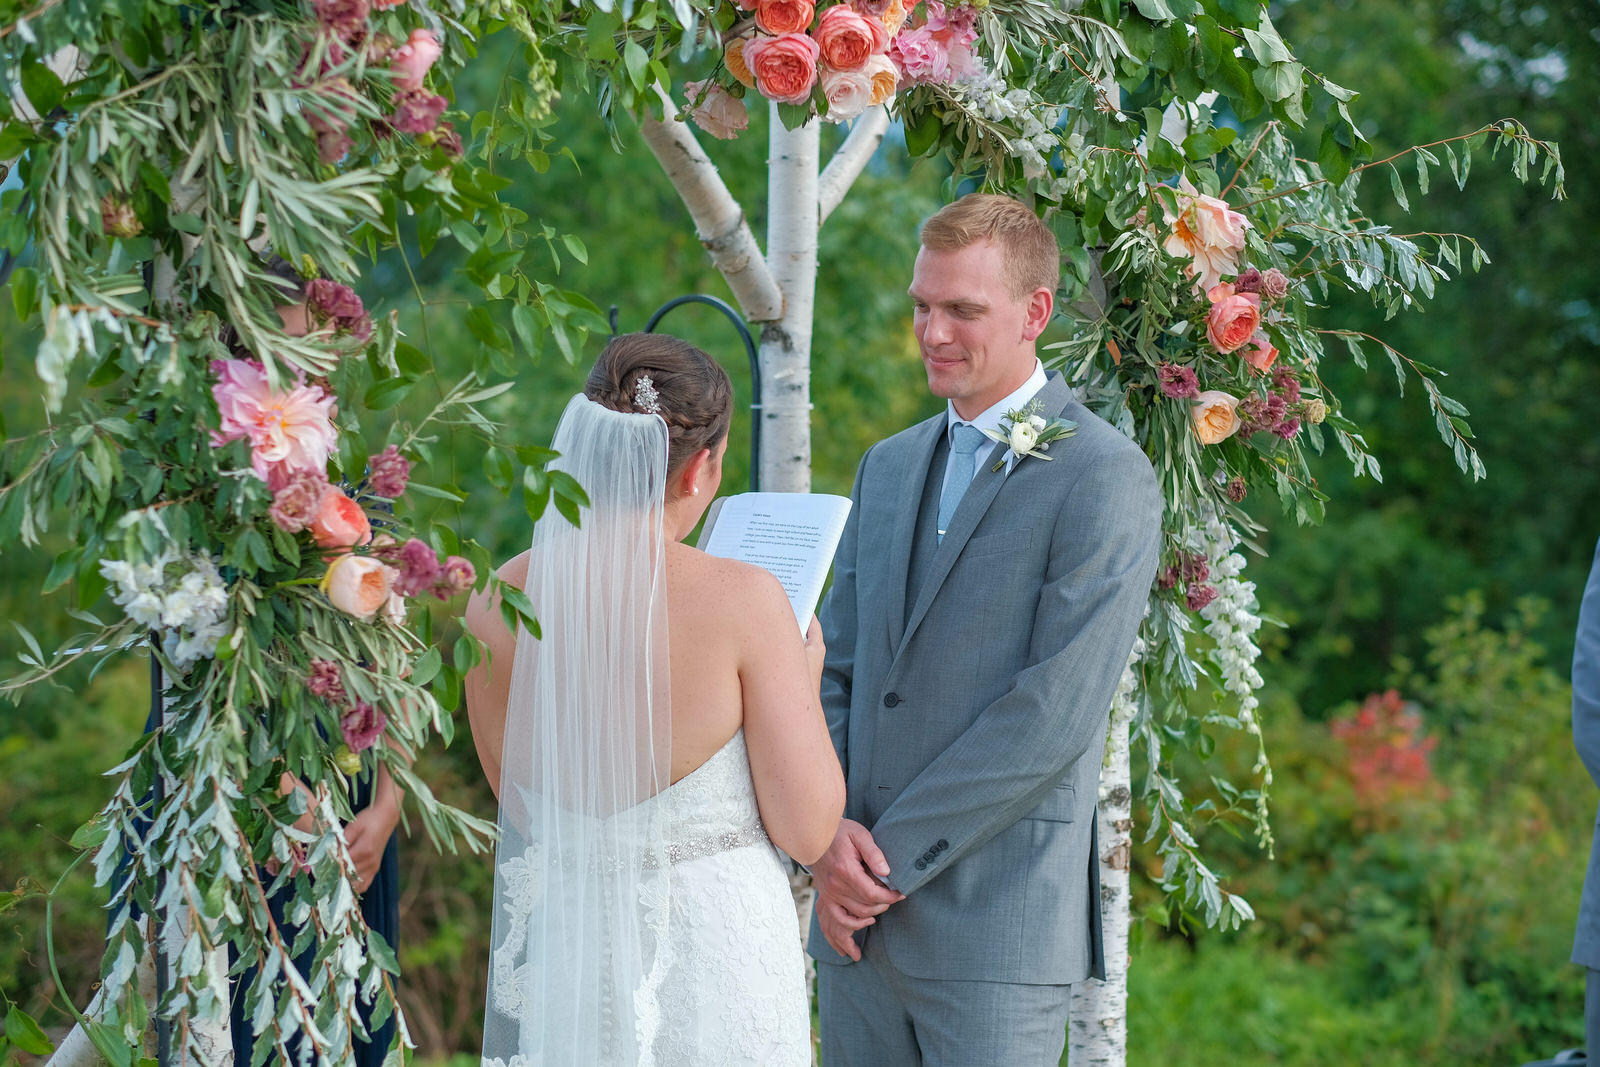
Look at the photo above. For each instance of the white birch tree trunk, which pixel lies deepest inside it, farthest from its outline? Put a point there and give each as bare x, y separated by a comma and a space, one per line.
793, 219
1097, 1033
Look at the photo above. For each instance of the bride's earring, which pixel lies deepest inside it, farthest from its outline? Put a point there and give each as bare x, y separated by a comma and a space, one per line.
695, 491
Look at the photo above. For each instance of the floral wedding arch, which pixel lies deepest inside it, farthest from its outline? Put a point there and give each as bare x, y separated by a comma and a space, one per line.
197, 184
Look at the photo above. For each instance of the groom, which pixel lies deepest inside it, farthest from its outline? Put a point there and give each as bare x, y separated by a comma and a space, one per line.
977, 625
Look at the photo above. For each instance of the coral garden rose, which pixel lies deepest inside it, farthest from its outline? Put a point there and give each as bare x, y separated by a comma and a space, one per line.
410, 63
849, 93
339, 521
847, 39
885, 77
1233, 319
1261, 354
1216, 416
1207, 232
716, 111
290, 431
779, 17
733, 59
785, 67
357, 585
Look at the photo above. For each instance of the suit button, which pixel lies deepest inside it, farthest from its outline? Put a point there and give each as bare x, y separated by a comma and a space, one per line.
921, 865
942, 844
891, 699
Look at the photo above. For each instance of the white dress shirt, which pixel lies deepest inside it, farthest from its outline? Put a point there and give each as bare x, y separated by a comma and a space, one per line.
988, 419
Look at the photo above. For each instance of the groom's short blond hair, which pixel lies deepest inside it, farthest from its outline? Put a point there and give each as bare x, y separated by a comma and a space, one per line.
1032, 257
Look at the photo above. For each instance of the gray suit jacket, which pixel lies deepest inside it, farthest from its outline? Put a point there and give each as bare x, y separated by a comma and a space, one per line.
968, 685
1586, 737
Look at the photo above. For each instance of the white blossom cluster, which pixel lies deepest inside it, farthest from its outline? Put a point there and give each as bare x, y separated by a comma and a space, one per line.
1232, 621
988, 95
184, 596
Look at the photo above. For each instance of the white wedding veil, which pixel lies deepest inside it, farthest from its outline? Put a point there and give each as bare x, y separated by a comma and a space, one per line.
580, 888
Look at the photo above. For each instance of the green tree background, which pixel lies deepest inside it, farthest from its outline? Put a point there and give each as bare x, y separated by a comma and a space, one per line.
1407, 926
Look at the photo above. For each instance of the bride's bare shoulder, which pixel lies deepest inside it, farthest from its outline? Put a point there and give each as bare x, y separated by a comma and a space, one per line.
482, 615
729, 587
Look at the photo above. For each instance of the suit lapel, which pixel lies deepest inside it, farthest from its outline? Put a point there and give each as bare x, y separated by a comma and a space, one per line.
908, 498
1053, 396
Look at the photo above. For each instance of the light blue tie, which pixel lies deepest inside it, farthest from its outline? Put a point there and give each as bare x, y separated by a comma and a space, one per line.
965, 440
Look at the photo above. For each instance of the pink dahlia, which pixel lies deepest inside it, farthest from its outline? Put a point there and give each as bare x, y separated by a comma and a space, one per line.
290, 431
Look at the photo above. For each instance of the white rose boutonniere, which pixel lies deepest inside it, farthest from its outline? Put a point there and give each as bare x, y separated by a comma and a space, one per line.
1027, 433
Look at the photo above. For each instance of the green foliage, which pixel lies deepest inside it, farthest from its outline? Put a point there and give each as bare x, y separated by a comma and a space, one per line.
1436, 921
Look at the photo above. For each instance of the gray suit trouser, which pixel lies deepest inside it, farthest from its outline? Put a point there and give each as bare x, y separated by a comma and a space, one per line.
874, 1016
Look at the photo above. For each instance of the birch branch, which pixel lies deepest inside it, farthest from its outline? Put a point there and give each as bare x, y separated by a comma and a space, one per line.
719, 221
851, 158
76, 1049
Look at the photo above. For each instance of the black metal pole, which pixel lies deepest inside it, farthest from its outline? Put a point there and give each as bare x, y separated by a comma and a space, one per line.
751, 354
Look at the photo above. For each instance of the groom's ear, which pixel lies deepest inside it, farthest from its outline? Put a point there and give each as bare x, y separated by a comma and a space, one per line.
1040, 304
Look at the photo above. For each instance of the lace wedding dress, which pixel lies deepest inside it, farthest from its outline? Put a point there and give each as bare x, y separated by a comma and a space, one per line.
734, 991
728, 987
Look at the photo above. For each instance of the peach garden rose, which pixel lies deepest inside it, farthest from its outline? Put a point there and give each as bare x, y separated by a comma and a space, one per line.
357, 585
785, 67
339, 521
847, 39
1233, 319
1215, 415
1207, 232
779, 17
885, 77
1259, 352
715, 110
733, 59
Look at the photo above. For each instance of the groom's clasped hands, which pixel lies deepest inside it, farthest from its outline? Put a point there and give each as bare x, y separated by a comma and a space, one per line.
851, 892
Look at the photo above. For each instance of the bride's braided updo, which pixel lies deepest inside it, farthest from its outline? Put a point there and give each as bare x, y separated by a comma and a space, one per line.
690, 391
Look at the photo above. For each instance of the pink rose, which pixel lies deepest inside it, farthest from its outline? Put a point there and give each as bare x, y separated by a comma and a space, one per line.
339, 521
779, 17
923, 59
716, 110
410, 63
885, 78
785, 67
1216, 416
417, 111
846, 39
1207, 232
849, 92
290, 431
1234, 318
357, 585
1261, 354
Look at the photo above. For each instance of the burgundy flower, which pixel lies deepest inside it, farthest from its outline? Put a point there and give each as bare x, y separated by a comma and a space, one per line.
449, 140
325, 681
1235, 489
388, 472
117, 218
1168, 577
417, 111
1200, 596
1287, 429
362, 725
328, 301
333, 145
1248, 282
345, 18
1193, 566
1287, 385
419, 568
1178, 382
297, 503
1253, 415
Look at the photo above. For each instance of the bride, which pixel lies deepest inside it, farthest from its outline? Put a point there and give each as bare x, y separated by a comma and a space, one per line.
653, 746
